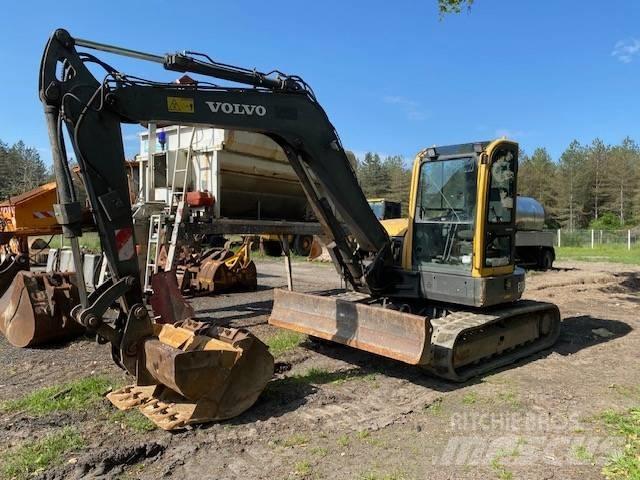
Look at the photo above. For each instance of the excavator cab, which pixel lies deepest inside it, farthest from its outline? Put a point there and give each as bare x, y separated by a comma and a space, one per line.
455, 310
461, 226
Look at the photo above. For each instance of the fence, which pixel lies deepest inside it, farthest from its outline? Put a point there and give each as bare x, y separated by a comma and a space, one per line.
596, 238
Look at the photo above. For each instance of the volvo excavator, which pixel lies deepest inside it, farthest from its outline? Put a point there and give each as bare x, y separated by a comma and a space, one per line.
442, 292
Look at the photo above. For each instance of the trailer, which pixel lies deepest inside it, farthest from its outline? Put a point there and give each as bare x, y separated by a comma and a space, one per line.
534, 244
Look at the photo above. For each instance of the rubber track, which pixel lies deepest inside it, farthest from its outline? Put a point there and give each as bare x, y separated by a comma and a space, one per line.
447, 330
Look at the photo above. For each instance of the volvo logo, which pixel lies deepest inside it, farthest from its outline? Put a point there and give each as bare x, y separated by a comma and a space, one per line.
237, 108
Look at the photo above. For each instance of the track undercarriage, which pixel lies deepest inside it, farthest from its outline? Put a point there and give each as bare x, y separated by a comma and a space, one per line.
455, 345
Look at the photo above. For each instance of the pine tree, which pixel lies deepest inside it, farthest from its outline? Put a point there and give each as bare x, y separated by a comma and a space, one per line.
536, 179
21, 169
573, 188
621, 179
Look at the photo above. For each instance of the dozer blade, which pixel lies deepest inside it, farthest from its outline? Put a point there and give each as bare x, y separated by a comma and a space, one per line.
36, 309
392, 334
456, 347
198, 374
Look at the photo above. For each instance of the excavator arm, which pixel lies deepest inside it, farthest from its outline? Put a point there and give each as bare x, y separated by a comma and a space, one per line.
189, 372
284, 109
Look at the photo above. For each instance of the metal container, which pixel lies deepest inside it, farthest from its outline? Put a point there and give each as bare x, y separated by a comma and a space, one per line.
529, 214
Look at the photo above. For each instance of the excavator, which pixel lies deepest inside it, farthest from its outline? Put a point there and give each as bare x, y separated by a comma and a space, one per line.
442, 292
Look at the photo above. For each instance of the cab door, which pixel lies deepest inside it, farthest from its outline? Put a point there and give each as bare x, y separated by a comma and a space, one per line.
494, 245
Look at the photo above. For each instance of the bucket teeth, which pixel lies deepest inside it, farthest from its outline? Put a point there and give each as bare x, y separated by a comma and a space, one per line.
164, 415
216, 377
131, 396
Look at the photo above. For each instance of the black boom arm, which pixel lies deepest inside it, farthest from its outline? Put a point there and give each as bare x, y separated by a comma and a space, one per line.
283, 108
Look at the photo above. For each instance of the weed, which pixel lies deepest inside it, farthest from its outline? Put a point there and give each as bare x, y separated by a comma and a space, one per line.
582, 453
294, 440
362, 434
435, 407
284, 341
303, 468
36, 456
77, 395
470, 398
510, 398
501, 471
496, 463
320, 451
343, 440
627, 463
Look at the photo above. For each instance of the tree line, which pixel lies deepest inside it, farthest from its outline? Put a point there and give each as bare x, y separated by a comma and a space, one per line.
21, 169
590, 186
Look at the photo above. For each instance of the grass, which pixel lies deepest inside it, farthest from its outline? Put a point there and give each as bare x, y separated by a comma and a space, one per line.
470, 398
625, 465
625, 391
500, 470
284, 341
90, 241
295, 440
319, 451
343, 440
498, 467
510, 398
601, 253
363, 434
303, 468
435, 407
583, 454
36, 456
134, 420
76, 396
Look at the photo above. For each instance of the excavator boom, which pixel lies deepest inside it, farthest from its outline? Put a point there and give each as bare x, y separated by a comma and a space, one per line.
187, 364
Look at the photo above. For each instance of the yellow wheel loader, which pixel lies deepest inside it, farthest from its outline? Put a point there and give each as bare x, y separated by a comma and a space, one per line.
442, 293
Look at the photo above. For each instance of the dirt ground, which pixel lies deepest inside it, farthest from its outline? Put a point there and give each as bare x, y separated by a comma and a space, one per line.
368, 417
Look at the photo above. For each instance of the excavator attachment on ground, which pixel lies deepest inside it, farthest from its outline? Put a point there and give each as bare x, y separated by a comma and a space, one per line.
36, 309
198, 373
9, 268
218, 270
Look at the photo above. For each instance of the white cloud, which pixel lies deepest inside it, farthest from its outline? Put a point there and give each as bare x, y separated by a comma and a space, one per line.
410, 107
625, 50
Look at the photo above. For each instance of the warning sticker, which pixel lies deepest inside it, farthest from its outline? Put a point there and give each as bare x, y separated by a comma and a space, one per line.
180, 105
124, 244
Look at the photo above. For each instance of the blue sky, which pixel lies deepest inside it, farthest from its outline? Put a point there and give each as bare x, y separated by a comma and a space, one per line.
392, 76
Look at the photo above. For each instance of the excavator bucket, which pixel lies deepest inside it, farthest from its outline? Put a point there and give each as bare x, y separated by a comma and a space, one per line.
348, 319
9, 268
219, 271
36, 309
197, 373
